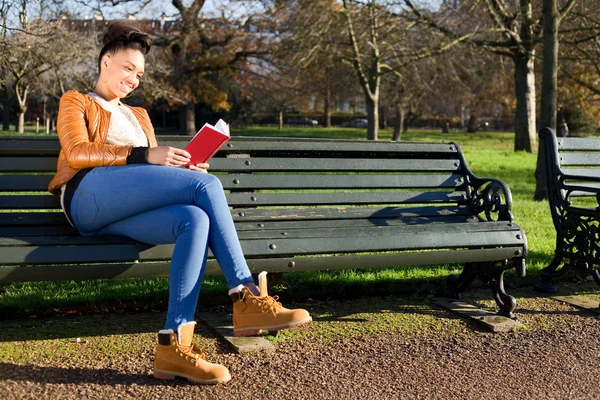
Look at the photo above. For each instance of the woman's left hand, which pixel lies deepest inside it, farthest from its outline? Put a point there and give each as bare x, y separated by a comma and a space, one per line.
202, 167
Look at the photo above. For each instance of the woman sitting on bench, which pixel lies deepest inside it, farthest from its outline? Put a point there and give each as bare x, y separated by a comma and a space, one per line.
113, 179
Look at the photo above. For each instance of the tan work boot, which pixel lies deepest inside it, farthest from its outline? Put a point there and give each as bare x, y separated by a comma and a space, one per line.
252, 314
176, 355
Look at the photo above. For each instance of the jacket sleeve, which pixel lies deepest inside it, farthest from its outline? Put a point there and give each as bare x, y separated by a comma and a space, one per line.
72, 127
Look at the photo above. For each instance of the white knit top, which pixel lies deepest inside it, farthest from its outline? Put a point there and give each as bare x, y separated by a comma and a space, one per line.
124, 128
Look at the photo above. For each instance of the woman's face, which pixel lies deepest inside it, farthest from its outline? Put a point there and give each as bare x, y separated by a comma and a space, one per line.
122, 71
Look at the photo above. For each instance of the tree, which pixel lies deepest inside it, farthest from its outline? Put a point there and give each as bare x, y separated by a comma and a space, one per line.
202, 51
371, 38
25, 55
513, 31
552, 17
193, 52
315, 59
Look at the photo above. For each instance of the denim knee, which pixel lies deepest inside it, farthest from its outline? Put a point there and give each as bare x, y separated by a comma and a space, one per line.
191, 217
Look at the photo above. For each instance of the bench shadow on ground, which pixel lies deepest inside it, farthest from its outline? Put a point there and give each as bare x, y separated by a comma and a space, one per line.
94, 325
70, 375
331, 308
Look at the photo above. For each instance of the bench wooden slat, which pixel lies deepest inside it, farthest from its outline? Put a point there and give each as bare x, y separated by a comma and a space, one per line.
251, 182
29, 183
67, 230
353, 223
51, 145
15, 219
62, 230
354, 181
260, 199
276, 233
28, 164
328, 164
23, 202
33, 219
19, 273
577, 144
404, 240
273, 199
29, 146
271, 215
48, 164
326, 145
582, 171
579, 158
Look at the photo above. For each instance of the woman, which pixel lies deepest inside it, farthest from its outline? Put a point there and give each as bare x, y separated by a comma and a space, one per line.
113, 179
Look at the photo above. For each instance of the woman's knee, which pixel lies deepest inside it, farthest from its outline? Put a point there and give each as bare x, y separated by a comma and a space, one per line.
213, 182
192, 217
209, 184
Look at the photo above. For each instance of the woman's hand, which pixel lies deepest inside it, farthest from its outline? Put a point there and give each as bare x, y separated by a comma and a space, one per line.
203, 167
167, 155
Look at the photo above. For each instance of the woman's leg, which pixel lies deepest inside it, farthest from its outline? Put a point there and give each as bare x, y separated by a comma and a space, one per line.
187, 226
110, 194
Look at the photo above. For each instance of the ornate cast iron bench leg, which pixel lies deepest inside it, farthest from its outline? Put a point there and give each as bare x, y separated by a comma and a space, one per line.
490, 273
506, 302
456, 284
548, 275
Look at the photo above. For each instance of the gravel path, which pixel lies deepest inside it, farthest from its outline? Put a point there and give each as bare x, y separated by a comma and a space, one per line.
376, 348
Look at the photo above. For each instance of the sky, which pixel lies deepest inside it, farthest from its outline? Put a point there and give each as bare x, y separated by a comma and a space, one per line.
157, 7
84, 9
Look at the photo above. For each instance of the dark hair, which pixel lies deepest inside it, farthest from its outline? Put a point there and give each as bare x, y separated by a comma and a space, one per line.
124, 36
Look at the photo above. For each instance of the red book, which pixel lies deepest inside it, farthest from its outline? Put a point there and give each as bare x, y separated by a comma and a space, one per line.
207, 142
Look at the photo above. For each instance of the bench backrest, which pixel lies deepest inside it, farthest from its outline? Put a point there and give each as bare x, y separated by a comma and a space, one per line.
269, 179
570, 163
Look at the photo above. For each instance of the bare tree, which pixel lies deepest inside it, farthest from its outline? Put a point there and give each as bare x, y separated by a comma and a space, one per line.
316, 58
369, 36
552, 16
513, 31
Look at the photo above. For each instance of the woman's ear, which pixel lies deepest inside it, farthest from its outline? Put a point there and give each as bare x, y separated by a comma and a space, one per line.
106, 60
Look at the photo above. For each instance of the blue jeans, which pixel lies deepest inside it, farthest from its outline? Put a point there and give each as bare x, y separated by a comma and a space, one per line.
162, 205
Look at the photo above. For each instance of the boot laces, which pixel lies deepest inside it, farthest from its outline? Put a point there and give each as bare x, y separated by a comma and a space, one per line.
193, 351
269, 303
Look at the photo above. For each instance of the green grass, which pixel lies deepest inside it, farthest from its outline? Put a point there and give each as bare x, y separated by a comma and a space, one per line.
488, 154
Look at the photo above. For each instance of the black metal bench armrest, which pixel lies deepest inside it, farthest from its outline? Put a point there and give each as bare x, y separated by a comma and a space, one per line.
580, 186
490, 196
579, 178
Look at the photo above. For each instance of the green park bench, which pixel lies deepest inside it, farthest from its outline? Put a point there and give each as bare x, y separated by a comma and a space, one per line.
298, 205
573, 181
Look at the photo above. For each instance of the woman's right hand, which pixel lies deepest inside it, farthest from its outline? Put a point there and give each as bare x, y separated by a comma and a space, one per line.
167, 155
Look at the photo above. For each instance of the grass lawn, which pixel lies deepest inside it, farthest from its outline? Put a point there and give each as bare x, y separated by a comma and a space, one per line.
489, 154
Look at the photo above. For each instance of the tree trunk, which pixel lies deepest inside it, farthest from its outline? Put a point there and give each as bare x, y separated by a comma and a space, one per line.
280, 120
525, 136
327, 107
383, 117
21, 120
549, 89
398, 122
189, 126
372, 118
6, 109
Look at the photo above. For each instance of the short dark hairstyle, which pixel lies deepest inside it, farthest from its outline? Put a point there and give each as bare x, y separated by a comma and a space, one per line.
124, 36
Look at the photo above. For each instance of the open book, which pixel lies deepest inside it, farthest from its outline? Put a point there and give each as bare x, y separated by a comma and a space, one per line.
207, 142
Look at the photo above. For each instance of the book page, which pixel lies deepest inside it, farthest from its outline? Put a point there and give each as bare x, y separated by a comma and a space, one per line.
222, 127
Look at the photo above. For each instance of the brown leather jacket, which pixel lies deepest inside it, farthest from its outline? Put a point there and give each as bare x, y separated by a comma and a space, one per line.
82, 127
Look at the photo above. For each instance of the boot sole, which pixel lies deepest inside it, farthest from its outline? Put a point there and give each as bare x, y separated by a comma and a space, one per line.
170, 375
255, 330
